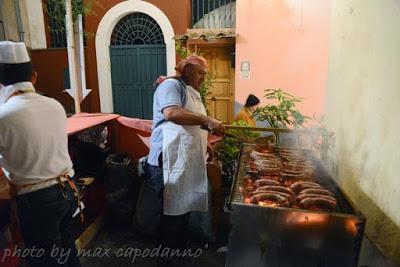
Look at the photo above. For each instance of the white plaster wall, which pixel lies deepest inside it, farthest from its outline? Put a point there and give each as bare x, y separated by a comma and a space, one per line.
9, 19
33, 21
363, 107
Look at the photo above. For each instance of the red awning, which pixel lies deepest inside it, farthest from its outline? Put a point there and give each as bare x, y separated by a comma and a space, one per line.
144, 126
82, 121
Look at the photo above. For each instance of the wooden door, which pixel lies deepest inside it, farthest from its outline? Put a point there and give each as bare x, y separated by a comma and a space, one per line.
220, 100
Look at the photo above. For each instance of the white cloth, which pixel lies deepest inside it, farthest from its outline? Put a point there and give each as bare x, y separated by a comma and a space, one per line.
7, 91
184, 163
33, 139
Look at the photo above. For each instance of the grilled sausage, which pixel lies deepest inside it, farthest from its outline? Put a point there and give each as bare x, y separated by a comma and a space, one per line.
281, 200
316, 191
301, 185
261, 182
277, 188
288, 196
259, 155
303, 196
269, 177
318, 203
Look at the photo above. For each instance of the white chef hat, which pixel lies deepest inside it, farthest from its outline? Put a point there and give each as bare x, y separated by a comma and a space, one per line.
13, 53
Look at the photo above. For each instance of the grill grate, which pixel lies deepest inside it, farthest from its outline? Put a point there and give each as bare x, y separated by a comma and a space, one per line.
321, 176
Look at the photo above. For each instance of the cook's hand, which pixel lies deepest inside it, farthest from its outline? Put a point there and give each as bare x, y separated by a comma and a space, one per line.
215, 126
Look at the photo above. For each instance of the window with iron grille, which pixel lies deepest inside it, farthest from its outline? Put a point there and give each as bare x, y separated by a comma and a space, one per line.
56, 15
213, 14
137, 29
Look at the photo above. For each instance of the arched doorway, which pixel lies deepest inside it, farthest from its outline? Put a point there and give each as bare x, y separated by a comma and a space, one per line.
103, 37
138, 57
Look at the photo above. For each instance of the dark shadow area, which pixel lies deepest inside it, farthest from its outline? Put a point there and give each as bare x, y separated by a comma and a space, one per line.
118, 244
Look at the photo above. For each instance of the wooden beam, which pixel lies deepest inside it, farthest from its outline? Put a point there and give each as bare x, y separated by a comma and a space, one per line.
213, 42
84, 239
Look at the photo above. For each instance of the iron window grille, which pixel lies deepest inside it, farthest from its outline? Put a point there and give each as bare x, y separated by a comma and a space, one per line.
137, 29
208, 14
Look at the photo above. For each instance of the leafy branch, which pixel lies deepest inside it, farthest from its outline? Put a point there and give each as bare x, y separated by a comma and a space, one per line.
228, 149
56, 11
282, 114
56, 8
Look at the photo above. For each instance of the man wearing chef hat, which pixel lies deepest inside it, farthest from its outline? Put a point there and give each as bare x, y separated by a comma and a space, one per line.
34, 156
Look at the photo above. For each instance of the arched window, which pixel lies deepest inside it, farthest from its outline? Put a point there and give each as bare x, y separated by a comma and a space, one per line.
137, 29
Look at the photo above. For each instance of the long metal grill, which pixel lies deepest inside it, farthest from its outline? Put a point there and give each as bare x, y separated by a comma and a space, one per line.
319, 175
292, 236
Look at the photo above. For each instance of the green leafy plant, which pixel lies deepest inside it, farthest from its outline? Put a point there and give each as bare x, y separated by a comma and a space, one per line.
55, 9
181, 50
206, 86
282, 113
228, 149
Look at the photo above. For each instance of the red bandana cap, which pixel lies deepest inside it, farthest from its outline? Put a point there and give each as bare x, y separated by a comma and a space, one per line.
190, 60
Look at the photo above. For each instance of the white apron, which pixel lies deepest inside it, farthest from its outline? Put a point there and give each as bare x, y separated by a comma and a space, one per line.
184, 162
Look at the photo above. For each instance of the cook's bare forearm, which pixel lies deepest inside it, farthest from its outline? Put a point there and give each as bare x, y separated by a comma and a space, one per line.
183, 116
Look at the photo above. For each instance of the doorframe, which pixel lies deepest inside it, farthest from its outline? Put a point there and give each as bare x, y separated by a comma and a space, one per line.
103, 36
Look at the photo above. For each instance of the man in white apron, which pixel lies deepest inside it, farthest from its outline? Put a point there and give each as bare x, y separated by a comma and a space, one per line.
177, 158
34, 157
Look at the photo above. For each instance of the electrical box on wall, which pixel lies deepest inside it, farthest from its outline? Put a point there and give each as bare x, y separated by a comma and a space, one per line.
245, 70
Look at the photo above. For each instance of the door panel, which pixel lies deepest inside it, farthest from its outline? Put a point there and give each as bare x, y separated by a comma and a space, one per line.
134, 69
220, 101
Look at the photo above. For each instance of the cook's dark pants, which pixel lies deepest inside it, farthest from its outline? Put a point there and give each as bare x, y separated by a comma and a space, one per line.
169, 230
45, 217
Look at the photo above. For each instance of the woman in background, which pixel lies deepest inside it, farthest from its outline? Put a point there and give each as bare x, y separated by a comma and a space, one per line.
246, 113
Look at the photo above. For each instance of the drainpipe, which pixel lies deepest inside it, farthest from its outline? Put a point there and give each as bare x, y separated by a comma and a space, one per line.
19, 21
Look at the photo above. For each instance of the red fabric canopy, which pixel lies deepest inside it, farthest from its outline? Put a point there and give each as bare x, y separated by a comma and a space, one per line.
144, 126
82, 121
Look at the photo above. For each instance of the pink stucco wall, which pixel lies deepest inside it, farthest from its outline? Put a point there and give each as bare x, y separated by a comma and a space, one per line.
286, 43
